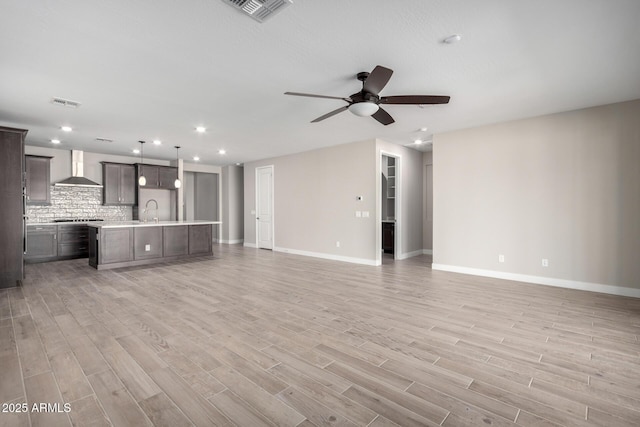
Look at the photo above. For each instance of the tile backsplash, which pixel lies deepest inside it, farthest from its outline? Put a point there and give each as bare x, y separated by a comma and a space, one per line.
77, 202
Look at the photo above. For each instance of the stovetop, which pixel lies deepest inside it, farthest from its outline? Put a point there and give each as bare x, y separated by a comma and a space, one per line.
77, 219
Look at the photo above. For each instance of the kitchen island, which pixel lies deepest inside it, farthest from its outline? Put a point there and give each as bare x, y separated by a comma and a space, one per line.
130, 243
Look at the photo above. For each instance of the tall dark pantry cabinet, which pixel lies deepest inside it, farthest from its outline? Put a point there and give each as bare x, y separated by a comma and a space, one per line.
12, 208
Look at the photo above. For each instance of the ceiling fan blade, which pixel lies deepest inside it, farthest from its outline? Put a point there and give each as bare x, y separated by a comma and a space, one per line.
333, 113
377, 79
415, 99
311, 95
383, 117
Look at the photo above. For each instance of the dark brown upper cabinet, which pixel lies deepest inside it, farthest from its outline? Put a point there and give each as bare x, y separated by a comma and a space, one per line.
38, 179
118, 184
162, 177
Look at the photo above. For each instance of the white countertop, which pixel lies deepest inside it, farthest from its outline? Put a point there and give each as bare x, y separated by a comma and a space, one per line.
124, 224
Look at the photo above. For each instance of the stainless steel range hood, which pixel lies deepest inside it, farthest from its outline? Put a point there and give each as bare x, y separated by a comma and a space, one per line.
77, 178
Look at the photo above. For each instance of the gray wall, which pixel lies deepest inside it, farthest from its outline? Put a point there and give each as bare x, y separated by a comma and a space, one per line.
427, 203
565, 187
315, 200
232, 186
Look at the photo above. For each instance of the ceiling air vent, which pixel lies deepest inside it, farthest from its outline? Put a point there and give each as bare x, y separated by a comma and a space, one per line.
260, 10
104, 139
65, 102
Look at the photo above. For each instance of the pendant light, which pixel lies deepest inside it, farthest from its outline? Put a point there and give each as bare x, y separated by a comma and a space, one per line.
177, 182
142, 181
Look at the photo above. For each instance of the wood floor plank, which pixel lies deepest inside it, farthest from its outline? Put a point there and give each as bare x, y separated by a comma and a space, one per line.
199, 411
385, 375
42, 391
388, 409
71, 380
163, 412
239, 411
316, 412
33, 358
268, 405
88, 412
459, 401
135, 379
339, 403
204, 384
403, 399
254, 337
13, 417
324, 377
119, 406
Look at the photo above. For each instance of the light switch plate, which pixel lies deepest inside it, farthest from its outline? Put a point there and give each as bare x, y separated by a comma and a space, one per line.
147, 248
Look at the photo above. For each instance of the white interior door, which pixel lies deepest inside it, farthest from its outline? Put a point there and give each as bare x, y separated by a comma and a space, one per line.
264, 207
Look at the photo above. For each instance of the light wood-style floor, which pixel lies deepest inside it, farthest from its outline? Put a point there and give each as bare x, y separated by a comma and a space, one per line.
252, 338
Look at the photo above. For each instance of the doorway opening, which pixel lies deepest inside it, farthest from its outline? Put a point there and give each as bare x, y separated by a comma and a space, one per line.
388, 244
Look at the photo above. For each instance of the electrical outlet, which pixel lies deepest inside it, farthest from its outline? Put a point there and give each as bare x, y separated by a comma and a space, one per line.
500, 258
338, 244
147, 248
545, 262
365, 214
358, 214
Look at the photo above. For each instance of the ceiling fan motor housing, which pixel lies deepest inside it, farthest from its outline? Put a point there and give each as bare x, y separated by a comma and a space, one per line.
367, 101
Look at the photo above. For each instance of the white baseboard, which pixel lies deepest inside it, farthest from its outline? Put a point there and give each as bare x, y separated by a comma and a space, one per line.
327, 256
250, 245
410, 254
427, 252
540, 280
229, 242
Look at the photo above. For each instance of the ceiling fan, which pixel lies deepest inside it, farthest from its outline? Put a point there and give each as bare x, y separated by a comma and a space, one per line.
367, 102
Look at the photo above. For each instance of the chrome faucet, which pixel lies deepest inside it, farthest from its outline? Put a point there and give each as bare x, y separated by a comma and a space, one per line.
146, 209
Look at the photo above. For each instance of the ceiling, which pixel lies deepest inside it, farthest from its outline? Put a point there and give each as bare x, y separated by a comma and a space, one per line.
156, 69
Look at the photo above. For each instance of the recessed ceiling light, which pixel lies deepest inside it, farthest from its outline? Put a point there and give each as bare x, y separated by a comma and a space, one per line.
418, 141
55, 141
424, 129
196, 158
454, 38
157, 142
201, 129
222, 152
136, 151
66, 128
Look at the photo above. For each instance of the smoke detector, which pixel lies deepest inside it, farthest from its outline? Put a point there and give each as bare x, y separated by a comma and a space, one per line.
260, 10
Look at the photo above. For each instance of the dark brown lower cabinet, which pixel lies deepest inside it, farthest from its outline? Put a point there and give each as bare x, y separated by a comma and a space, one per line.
200, 239
42, 243
147, 242
73, 241
176, 240
115, 245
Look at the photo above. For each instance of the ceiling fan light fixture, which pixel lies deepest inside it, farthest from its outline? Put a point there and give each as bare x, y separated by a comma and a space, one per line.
363, 109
